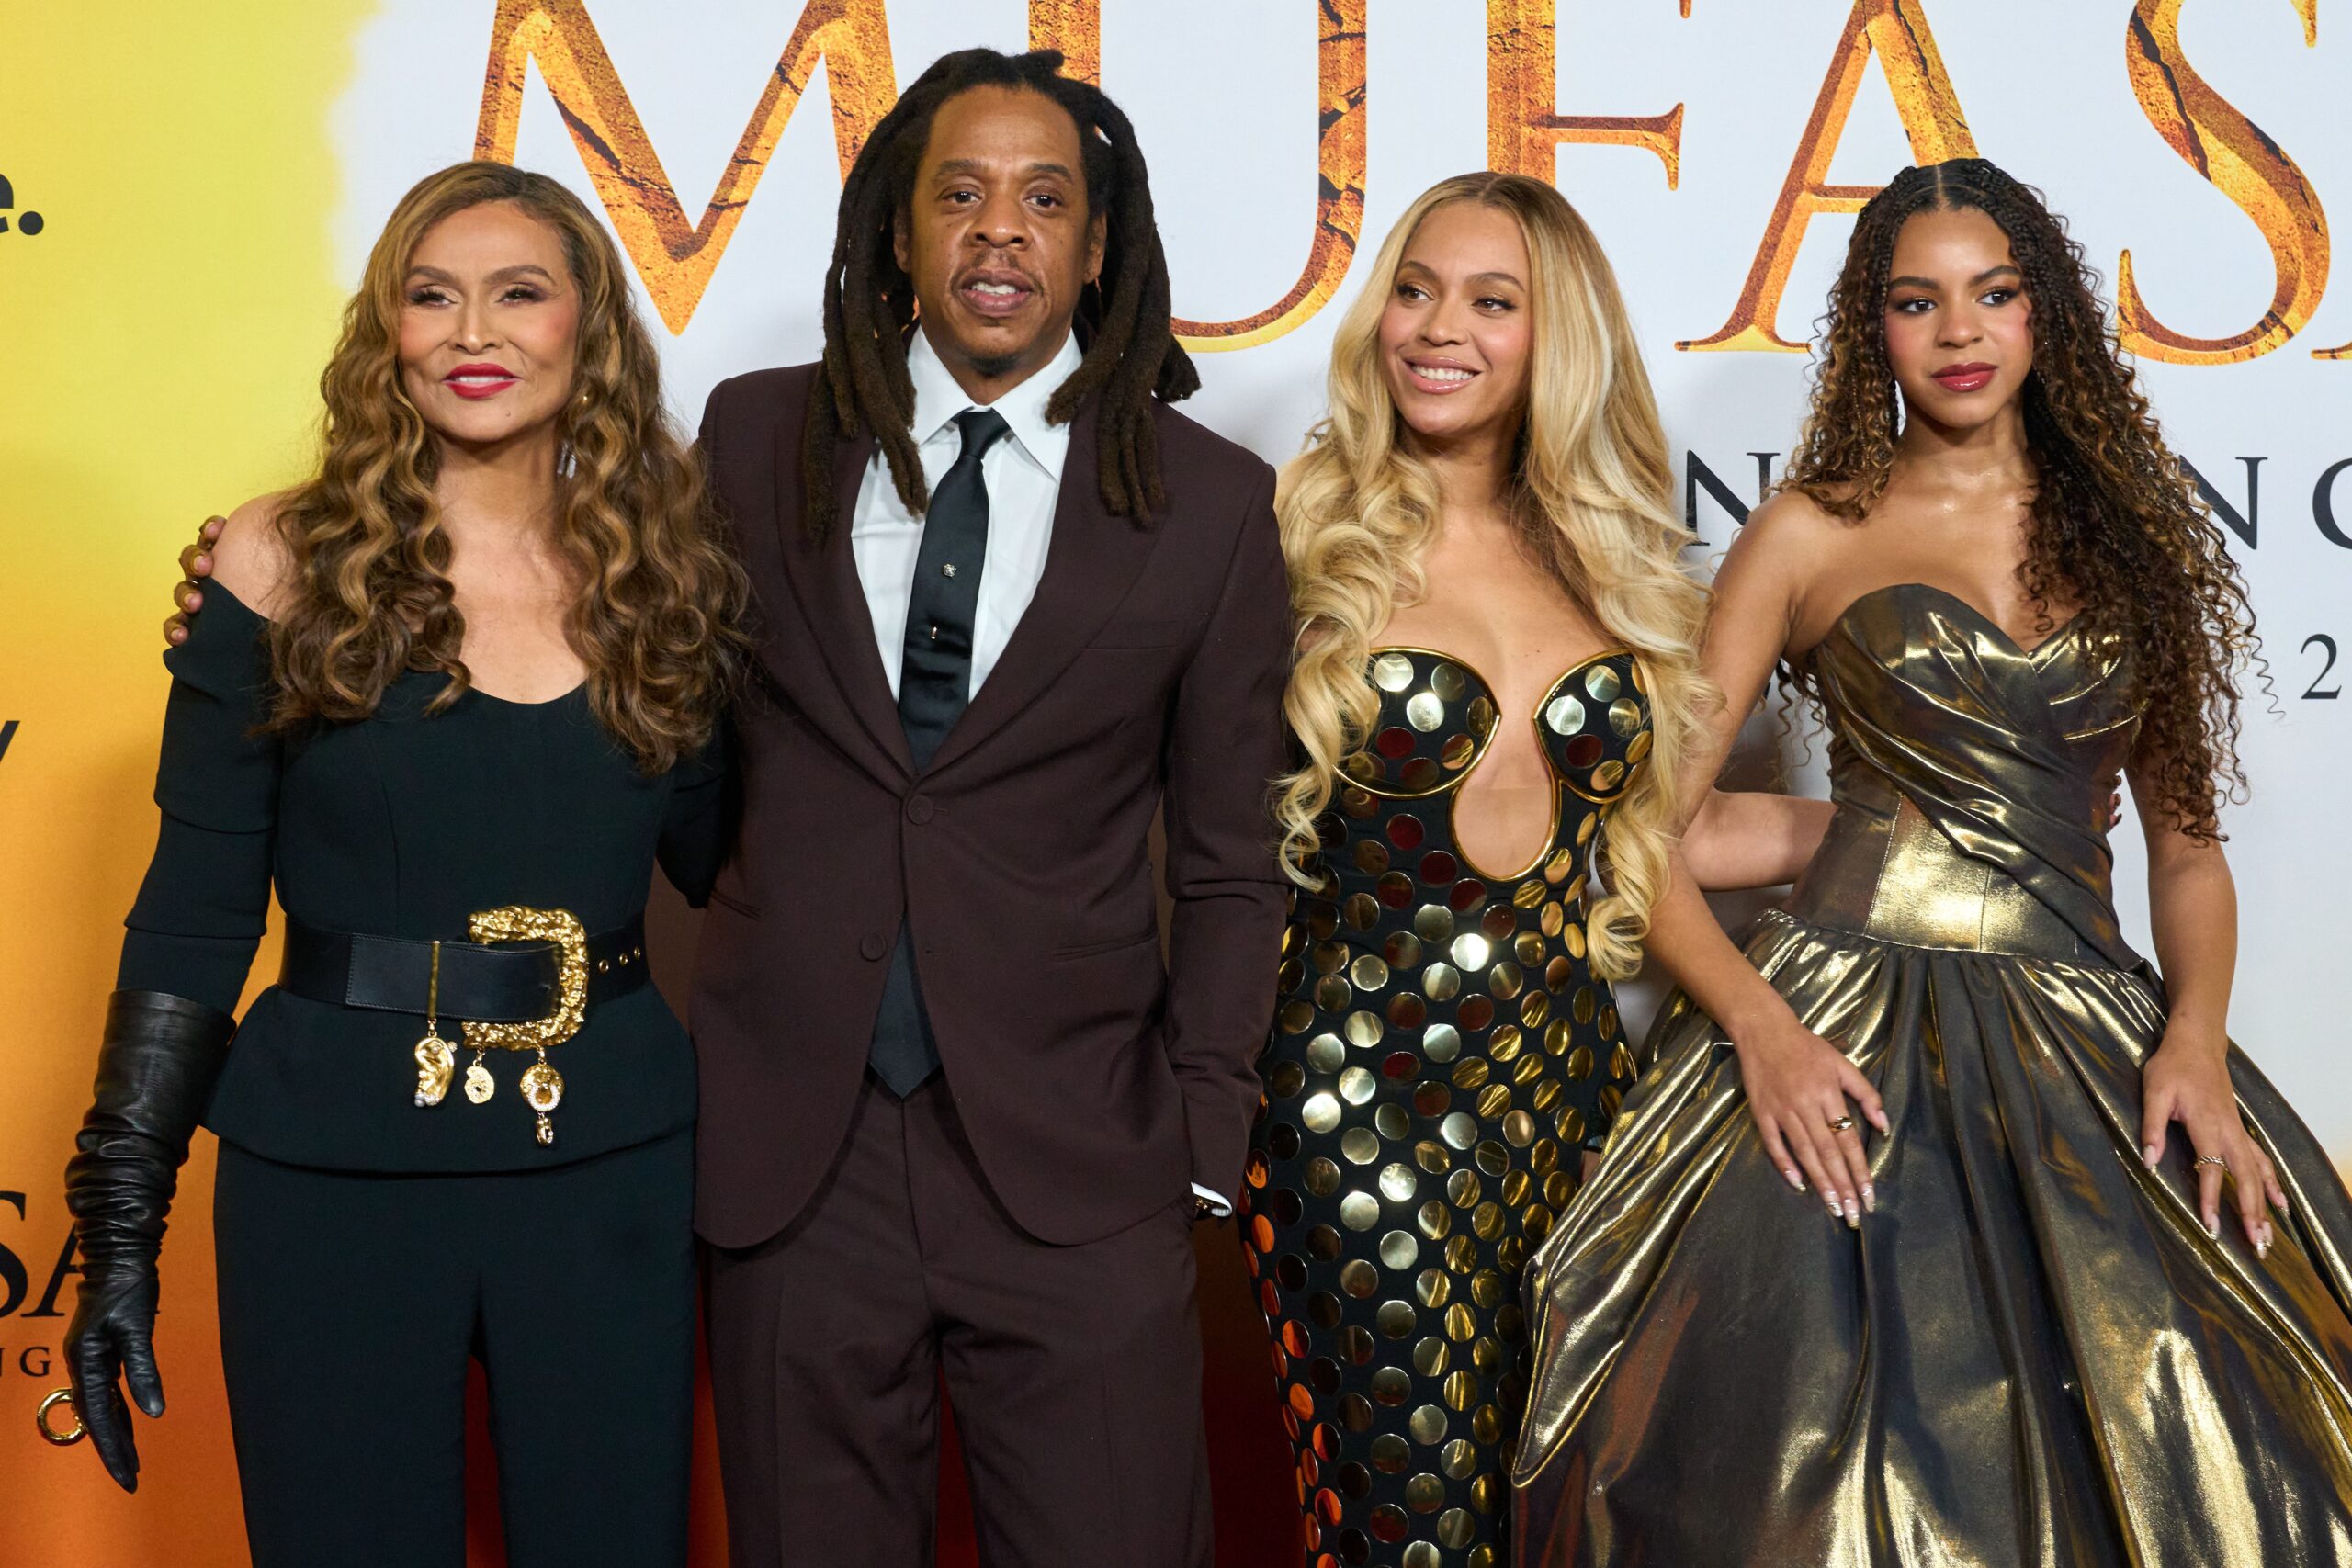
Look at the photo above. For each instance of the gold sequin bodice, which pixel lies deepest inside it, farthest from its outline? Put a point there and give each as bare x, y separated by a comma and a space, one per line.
1441, 1056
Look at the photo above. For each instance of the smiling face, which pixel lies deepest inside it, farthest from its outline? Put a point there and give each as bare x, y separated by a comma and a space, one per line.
1959, 326
1457, 334
489, 325
996, 235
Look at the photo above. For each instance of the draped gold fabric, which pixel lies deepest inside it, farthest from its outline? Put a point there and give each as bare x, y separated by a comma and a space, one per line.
2031, 1353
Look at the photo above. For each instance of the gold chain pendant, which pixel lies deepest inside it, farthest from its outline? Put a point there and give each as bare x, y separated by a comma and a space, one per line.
543, 1091
479, 1085
434, 1059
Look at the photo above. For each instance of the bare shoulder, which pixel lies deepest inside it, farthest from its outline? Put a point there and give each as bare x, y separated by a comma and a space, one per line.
1787, 531
250, 559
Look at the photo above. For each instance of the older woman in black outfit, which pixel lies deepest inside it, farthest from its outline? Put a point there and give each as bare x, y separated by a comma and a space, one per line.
452, 698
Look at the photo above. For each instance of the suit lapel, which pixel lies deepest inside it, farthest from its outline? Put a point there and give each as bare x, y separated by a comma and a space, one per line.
824, 578
1091, 560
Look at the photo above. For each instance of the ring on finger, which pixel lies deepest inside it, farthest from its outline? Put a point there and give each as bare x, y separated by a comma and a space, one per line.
2213, 1160
1842, 1124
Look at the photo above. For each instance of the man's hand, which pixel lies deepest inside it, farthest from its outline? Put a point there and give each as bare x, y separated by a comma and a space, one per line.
196, 564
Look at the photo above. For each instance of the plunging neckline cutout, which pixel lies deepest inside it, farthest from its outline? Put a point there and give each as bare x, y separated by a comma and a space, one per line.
2031, 655
1535, 724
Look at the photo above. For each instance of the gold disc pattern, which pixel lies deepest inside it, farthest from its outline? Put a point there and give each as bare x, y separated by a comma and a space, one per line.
1441, 1056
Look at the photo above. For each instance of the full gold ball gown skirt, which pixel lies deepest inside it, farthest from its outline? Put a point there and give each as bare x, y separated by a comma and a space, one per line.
2031, 1353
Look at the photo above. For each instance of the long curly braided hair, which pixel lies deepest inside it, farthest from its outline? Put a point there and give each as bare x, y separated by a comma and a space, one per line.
1131, 352
2116, 525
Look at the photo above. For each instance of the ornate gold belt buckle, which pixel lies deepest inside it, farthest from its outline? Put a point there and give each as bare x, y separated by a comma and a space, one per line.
542, 1085
517, 923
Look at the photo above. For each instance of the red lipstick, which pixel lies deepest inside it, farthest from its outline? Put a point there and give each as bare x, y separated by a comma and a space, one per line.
1971, 378
475, 382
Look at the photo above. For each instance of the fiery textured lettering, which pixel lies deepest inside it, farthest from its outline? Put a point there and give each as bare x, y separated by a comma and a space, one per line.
1896, 30
1524, 126
1074, 27
1340, 182
2232, 153
676, 260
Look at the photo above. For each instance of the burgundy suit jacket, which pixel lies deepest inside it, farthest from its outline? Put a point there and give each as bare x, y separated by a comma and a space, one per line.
1096, 1082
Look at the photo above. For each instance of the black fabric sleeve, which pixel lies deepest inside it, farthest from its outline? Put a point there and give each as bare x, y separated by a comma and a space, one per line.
202, 907
697, 827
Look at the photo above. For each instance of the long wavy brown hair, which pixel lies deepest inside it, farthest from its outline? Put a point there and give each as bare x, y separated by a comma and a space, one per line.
2116, 524
656, 618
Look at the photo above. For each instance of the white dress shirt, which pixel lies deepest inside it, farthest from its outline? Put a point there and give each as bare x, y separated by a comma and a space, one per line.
1024, 476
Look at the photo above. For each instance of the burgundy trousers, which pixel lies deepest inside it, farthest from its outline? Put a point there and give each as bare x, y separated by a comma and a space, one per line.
1075, 1371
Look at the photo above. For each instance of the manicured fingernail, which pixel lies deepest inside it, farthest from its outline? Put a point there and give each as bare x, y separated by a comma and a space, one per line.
1835, 1211
2262, 1247
1869, 1197
2148, 1155
1794, 1179
2212, 1227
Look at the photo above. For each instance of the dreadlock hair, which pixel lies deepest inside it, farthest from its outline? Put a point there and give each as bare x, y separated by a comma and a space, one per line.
1131, 352
2116, 522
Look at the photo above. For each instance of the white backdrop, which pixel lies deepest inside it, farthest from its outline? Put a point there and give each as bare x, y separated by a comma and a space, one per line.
1223, 93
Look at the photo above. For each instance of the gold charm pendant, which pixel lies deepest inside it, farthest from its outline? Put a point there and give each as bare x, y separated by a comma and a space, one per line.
479, 1085
436, 1064
435, 1060
541, 1085
543, 1091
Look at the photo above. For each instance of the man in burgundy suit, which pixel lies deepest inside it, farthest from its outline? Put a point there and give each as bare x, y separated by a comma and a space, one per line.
957, 1114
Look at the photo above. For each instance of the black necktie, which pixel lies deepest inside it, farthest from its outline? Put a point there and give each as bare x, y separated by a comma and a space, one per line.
934, 684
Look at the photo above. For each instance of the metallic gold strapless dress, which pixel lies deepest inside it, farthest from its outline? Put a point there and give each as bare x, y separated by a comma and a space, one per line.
2031, 1353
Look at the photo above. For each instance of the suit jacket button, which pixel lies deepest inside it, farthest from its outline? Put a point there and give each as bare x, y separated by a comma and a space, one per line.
918, 809
873, 945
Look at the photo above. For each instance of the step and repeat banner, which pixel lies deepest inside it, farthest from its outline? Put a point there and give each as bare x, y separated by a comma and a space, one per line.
187, 194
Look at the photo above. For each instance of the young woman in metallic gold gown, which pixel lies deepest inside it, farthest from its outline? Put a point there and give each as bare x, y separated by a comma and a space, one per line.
1497, 672
2024, 1333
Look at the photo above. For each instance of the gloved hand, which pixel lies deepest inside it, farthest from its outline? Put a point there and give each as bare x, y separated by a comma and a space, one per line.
156, 1067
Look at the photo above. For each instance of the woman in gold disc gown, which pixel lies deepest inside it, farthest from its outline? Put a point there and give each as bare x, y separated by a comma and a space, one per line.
2033, 1344
1492, 482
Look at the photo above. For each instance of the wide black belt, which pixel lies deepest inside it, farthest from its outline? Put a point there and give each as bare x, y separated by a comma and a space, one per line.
519, 982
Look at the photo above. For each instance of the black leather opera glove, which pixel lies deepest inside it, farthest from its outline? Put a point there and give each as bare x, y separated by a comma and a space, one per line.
157, 1068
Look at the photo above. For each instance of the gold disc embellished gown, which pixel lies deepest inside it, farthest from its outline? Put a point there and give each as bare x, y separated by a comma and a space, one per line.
1441, 1059
2031, 1353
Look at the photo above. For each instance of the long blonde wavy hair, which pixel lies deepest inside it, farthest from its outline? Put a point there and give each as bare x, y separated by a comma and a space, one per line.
1592, 497
370, 597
